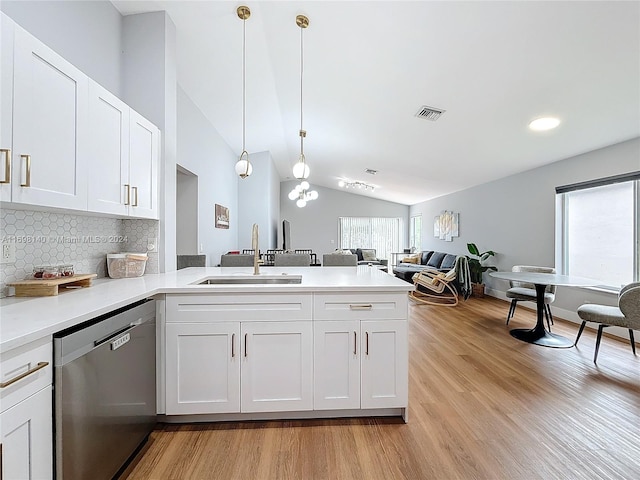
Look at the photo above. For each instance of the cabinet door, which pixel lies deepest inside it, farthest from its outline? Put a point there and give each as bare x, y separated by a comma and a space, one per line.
6, 105
143, 166
202, 368
385, 370
50, 116
109, 177
277, 366
27, 438
336, 365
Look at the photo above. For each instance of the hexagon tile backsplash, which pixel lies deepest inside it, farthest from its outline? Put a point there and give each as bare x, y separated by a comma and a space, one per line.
45, 238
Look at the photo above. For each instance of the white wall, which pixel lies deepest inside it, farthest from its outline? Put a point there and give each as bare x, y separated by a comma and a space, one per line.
186, 212
515, 216
202, 151
87, 34
316, 225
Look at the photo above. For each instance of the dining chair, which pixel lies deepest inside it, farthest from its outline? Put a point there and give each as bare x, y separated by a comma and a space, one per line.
526, 292
626, 315
292, 260
236, 260
339, 260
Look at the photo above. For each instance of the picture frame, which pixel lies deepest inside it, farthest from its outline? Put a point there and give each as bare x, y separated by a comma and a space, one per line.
221, 216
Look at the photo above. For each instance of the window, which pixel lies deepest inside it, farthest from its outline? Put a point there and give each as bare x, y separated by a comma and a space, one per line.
600, 229
383, 234
415, 233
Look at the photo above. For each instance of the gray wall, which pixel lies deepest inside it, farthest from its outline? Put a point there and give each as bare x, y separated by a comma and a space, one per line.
316, 225
149, 73
202, 151
515, 217
87, 34
258, 202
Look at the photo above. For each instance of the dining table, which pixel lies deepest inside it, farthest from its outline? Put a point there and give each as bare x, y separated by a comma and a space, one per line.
539, 335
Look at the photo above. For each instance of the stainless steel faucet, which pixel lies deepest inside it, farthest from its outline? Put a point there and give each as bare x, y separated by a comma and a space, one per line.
256, 251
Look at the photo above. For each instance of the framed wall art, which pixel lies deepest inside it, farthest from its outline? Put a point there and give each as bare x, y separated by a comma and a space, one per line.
222, 217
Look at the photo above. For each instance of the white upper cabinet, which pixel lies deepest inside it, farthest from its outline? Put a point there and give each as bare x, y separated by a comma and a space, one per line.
144, 142
50, 121
109, 178
65, 141
6, 105
124, 158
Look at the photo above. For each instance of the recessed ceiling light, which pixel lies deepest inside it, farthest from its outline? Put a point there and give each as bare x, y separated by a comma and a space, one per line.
544, 123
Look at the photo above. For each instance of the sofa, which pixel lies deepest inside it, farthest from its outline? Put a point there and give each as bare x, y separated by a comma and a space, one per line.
430, 259
368, 256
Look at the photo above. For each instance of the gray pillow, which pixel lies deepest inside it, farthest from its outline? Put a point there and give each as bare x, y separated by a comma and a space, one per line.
436, 259
448, 262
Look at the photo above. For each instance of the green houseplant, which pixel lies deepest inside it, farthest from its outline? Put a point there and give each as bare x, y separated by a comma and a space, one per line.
476, 267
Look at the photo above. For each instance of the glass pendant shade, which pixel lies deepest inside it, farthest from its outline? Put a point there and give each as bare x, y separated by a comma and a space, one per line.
243, 166
293, 194
301, 203
313, 195
301, 170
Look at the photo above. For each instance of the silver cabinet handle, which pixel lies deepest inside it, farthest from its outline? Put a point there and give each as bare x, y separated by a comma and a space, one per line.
367, 342
135, 202
233, 345
27, 158
39, 366
128, 200
361, 307
7, 165
355, 343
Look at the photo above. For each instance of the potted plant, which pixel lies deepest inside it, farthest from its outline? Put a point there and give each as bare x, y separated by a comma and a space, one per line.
476, 268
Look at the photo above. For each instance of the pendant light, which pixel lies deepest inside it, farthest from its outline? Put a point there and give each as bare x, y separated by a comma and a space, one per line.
243, 166
301, 169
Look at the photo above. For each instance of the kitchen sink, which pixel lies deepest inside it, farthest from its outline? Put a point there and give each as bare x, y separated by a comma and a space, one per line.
251, 280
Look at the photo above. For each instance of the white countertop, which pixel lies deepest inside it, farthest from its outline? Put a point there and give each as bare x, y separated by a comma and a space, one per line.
23, 320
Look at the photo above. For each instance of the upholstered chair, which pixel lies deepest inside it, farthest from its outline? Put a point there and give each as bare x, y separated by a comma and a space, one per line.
236, 260
526, 292
339, 260
625, 315
292, 260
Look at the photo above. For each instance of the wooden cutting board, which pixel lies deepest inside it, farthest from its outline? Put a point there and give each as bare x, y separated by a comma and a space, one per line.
47, 287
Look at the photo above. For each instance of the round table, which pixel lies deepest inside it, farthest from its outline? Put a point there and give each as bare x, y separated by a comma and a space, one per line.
538, 334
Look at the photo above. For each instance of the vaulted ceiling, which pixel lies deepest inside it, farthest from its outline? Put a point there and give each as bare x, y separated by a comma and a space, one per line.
369, 66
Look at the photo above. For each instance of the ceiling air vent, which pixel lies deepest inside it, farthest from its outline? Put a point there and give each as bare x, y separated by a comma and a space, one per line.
429, 113
371, 171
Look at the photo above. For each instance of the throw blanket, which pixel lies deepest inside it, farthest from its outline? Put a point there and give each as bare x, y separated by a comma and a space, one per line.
463, 276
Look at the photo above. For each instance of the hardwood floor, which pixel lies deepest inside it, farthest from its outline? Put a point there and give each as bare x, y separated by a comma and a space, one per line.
483, 405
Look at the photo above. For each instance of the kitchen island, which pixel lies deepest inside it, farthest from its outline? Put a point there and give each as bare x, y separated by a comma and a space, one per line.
334, 344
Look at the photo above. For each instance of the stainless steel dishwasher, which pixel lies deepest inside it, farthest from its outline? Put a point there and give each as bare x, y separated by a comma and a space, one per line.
105, 391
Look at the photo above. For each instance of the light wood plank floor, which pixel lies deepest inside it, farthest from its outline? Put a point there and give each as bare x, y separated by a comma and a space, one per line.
482, 406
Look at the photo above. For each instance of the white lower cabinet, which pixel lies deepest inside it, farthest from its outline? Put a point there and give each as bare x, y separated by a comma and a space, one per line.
277, 366
210, 364
202, 368
385, 364
26, 419
336, 368
27, 438
360, 365
256, 353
